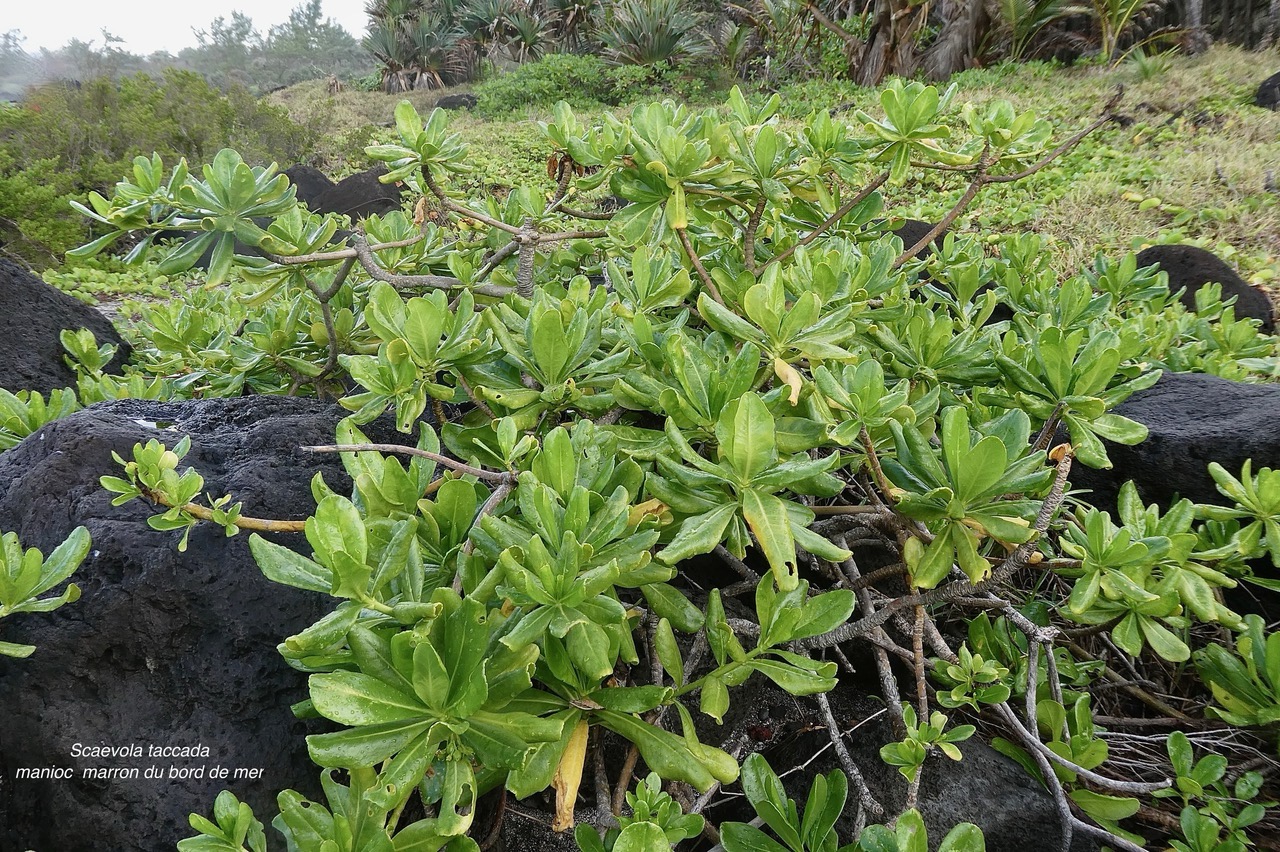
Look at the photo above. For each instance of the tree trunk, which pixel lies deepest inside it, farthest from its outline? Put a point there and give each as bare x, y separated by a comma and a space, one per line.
1197, 40
1273, 24
891, 46
958, 42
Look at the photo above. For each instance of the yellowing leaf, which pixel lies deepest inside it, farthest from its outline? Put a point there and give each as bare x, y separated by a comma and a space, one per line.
568, 777
789, 376
639, 512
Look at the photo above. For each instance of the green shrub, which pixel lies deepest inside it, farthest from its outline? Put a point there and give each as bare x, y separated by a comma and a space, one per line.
581, 80
588, 82
484, 620
63, 142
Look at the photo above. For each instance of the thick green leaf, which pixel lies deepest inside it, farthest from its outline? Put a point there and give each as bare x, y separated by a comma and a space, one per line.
740, 837
352, 698
766, 515
699, 534
663, 752
749, 443
282, 565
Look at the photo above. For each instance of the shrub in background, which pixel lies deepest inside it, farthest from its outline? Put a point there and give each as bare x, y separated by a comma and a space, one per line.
65, 141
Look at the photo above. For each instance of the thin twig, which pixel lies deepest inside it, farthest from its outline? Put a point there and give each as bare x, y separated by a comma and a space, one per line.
475, 400
624, 779
1066, 820
867, 800
961, 588
873, 462
1101, 834
461, 467
1132, 689
867, 580
736, 564
497, 257
326, 312
840, 213
697, 265
1108, 114
461, 209
1139, 788
979, 180
1050, 426
888, 685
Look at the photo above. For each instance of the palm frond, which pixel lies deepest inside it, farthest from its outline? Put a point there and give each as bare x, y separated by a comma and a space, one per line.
646, 32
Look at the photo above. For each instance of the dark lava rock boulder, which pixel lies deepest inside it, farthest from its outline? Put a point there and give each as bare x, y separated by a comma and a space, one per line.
984, 788
1015, 813
464, 100
1268, 94
912, 231
360, 195
1193, 419
165, 649
31, 353
1191, 268
311, 183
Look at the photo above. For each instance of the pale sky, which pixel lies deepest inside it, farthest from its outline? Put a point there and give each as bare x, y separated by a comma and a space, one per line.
151, 25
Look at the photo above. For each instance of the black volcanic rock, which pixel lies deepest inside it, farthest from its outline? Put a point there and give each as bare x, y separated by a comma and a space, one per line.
1268, 94
360, 195
1194, 419
164, 648
1191, 268
31, 353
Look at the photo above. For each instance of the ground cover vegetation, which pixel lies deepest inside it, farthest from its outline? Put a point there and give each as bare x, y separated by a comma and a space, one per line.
742, 366
740, 363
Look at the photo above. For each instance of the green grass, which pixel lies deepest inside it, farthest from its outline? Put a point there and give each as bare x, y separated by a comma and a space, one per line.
1192, 167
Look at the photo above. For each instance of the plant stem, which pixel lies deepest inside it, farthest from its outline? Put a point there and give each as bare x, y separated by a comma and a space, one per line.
1105, 836
204, 513
840, 213
979, 180
821, 511
1138, 788
917, 651
432, 282
961, 588
461, 209
340, 254
1050, 426
697, 265
589, 215
873, 462
749, 237
461, 467
527, 240
865, 797
624, 779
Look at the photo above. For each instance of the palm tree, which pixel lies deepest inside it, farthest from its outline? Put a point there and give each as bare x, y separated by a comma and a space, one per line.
531, 35
417, 42
572, 20
647, 32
